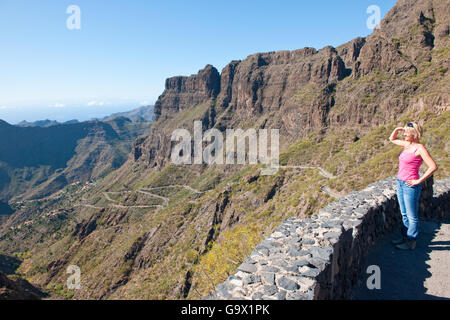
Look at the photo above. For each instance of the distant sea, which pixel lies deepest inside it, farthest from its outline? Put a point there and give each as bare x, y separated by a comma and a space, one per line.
63, 113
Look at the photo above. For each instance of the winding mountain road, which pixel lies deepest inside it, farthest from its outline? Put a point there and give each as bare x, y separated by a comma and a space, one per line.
166, 200
324, 173
117, 204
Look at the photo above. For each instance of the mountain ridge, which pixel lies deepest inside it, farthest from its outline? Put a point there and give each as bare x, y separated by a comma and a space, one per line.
35, 161
304, 86
205, 220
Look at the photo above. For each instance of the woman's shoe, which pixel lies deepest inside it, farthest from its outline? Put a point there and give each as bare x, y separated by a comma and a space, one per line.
408, 245
400, 240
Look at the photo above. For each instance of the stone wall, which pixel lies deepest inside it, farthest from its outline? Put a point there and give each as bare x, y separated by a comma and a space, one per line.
322, 256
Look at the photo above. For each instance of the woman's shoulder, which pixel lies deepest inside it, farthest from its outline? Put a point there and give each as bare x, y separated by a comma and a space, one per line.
420, 149
420, 146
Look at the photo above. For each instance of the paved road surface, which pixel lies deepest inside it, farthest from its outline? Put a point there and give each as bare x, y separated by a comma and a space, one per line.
420, 274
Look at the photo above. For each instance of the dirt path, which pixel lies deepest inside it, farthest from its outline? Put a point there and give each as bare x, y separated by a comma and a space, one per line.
117, 204
322, 171
327, 189
166, 200
176, 186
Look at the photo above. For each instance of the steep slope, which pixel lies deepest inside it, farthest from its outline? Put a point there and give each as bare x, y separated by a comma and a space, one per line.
363, 83
335, 109
144, 113
13, 287
36, 162
17, 289
5, 211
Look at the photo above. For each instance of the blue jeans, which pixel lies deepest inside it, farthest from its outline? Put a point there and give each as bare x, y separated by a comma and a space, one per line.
408, 199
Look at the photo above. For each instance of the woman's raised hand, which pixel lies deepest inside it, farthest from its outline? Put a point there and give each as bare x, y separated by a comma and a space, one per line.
393, 137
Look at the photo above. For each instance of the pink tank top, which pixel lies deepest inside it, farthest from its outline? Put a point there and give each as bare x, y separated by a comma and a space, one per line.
408, 167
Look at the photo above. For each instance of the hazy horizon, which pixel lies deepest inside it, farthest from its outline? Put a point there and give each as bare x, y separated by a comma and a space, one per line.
67, 112
123, 52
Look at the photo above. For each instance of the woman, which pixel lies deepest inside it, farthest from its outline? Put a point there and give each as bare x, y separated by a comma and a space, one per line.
409, 183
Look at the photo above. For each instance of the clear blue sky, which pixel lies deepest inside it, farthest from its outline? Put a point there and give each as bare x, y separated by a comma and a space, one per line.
125, 49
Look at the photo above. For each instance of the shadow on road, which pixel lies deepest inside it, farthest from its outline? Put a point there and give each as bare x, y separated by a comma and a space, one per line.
403, 273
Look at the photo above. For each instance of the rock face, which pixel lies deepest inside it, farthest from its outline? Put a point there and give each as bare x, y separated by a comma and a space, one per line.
184, 92
294, 84
423, 24
364, 82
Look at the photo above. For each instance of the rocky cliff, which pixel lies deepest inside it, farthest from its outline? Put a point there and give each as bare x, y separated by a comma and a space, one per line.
363, 83
184, 92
